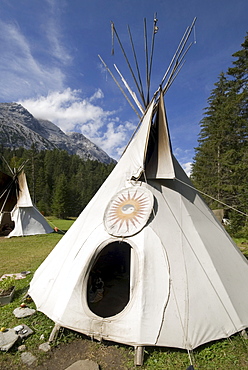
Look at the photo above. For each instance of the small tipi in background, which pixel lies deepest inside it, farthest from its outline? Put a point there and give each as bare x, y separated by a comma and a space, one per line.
18, 215
146, 263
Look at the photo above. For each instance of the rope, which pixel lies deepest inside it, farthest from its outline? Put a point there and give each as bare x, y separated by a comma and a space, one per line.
54, 226
184, 325
209, 196
190, 357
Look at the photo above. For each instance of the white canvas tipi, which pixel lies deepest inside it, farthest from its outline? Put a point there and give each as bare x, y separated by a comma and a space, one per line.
19, 217
146, 263
171, 274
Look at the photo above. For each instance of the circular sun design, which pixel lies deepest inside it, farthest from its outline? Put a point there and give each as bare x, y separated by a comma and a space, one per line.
128, 211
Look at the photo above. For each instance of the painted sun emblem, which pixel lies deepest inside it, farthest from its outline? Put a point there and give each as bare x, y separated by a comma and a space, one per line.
128, 211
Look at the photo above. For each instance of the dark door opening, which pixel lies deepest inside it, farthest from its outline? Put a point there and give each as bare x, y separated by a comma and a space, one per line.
6, 224
108, 289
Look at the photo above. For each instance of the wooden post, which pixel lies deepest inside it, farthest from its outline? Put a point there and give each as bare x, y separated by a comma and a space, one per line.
139, 355
244, 334
54, 332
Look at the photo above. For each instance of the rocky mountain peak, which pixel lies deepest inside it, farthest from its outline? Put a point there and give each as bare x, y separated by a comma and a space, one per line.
18, 128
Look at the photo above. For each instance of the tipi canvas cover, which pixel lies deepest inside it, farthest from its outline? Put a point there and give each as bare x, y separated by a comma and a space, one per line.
8, 200
146, 263
18, 209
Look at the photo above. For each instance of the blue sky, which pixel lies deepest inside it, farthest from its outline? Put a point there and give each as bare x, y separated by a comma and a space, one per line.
49, 62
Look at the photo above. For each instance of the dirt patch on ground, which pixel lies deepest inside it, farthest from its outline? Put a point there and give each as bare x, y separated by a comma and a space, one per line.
107, 356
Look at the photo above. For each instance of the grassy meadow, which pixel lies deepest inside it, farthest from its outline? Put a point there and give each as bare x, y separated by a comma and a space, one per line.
27, 253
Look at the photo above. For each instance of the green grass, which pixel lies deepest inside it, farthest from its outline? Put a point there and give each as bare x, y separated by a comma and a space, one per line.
242, 243
27, 253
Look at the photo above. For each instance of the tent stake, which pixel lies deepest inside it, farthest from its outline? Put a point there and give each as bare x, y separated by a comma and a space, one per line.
54, 333
139, 355
244, 334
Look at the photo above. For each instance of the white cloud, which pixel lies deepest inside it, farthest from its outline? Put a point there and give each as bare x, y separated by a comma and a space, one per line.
33, 65
54, 33
97, 95
67, 110
187, 167
184, 157
72, 113
21, 74
112, 138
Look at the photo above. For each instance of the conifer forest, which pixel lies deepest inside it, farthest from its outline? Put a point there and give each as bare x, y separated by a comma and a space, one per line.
220, 167
60, 184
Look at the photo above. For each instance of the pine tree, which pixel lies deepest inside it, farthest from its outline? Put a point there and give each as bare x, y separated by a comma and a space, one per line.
59, 183
220, 166
60, 204
239, 87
